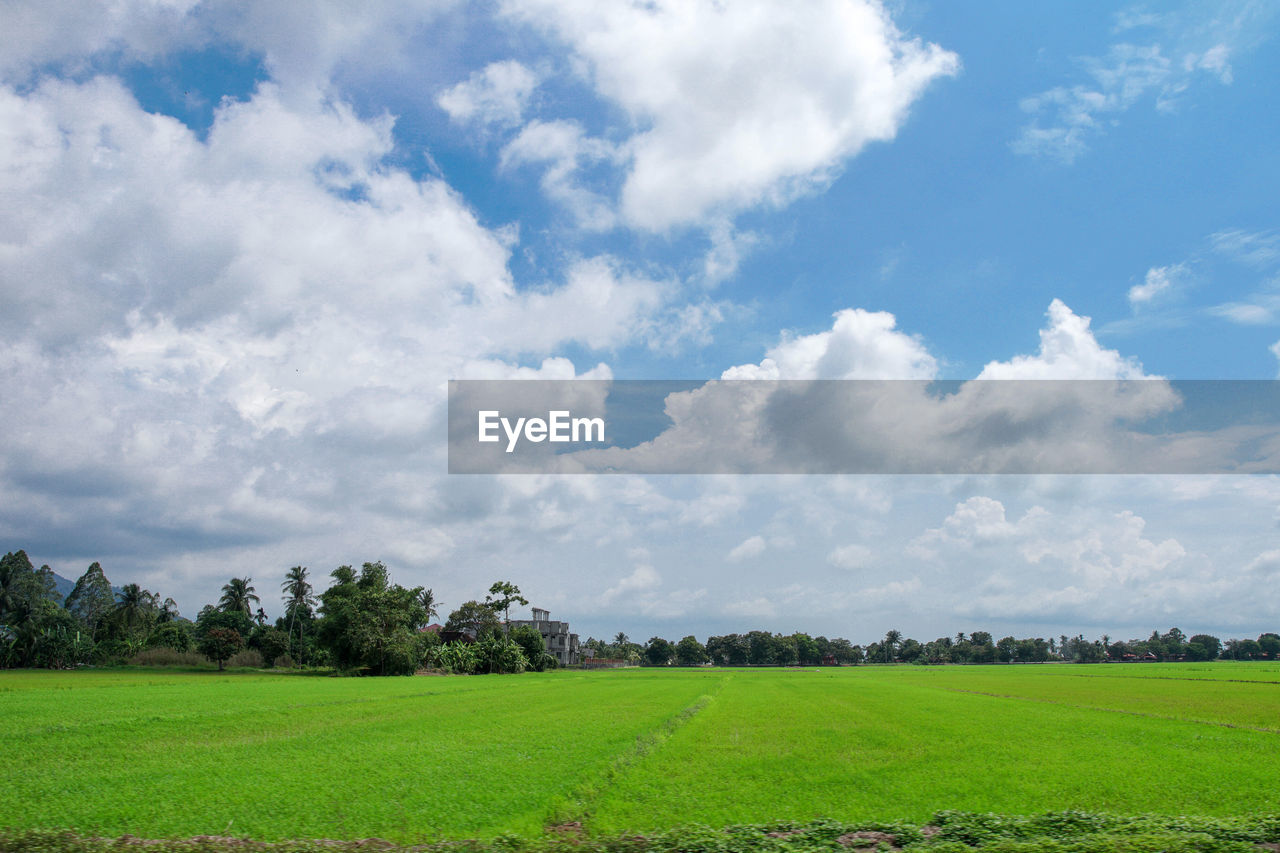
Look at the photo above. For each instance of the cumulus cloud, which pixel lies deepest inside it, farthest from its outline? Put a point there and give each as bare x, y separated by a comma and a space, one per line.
1086, 562
860, 345
496, 94
747, 549
744, 103
230, 320
884, 425
1068, 350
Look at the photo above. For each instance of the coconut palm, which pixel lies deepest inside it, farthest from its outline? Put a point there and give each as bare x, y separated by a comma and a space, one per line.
297, 598
237, 596
890, 644
427, 599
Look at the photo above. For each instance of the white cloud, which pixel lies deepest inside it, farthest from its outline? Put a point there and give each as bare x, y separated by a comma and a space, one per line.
497, 94
747, 549
860, 345
743, 103
850, 557
1255, 248
1068, 350
566, 149
1158, 283
1183, 48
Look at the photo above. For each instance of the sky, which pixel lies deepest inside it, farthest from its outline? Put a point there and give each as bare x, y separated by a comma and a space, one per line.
244, 246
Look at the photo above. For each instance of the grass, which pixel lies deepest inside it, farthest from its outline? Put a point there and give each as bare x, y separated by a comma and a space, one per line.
168, 754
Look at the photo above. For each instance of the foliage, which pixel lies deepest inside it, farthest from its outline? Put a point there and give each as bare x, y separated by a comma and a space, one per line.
533, 647
91, 601
458, 658
658, 652
165, 656
238, 596
503, 594
369, 623
219, 644
270, 642
689, 652
497, 654
474, 619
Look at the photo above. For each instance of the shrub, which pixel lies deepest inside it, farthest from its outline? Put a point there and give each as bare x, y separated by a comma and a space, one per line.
247, 657
163, 656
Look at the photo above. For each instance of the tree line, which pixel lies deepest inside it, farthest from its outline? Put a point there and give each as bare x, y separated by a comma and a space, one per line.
760, 648
361, 623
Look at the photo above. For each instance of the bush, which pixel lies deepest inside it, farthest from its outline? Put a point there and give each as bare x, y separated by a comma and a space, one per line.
496, 654
285, 662
163, 656
458, 658
247, 657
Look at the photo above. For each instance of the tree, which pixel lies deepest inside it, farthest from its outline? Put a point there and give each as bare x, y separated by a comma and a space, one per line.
533, 647
298, 601
238, 595
371, 624
658, 652
760, 648
271, 642
427, 598
501, 596
474, 619
1212, 645
134, 614
689, 652
807, 650
1269, 644
889, 646
92, 600
220, 644
728, 650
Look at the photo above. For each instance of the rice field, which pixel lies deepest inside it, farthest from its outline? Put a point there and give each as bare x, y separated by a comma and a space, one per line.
170, 754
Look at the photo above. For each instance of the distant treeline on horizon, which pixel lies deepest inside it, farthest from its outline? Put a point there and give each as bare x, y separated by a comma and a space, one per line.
364, 623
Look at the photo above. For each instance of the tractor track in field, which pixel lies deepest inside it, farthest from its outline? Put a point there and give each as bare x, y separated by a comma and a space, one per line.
571, 816
1148, 715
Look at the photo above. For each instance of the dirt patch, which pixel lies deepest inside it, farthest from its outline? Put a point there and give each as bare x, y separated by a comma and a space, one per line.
868, 838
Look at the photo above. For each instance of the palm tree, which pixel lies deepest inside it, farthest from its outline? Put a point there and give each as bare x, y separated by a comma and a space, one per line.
135, 607
297, 592
427, 599
890, 644
237, 595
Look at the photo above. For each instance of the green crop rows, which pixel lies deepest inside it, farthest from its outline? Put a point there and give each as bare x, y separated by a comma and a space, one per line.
166, 755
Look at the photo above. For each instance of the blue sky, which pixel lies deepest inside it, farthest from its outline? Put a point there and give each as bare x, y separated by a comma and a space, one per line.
246, 245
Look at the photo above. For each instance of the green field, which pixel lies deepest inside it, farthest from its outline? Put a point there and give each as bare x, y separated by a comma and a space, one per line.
168, 754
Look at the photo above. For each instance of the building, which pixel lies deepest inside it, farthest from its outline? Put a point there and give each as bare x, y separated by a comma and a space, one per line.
560, 644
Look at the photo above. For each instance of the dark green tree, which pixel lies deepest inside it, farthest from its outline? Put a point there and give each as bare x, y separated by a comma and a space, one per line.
474, 619
658, 652
533, 647
220, 645
689, 652
369, 623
